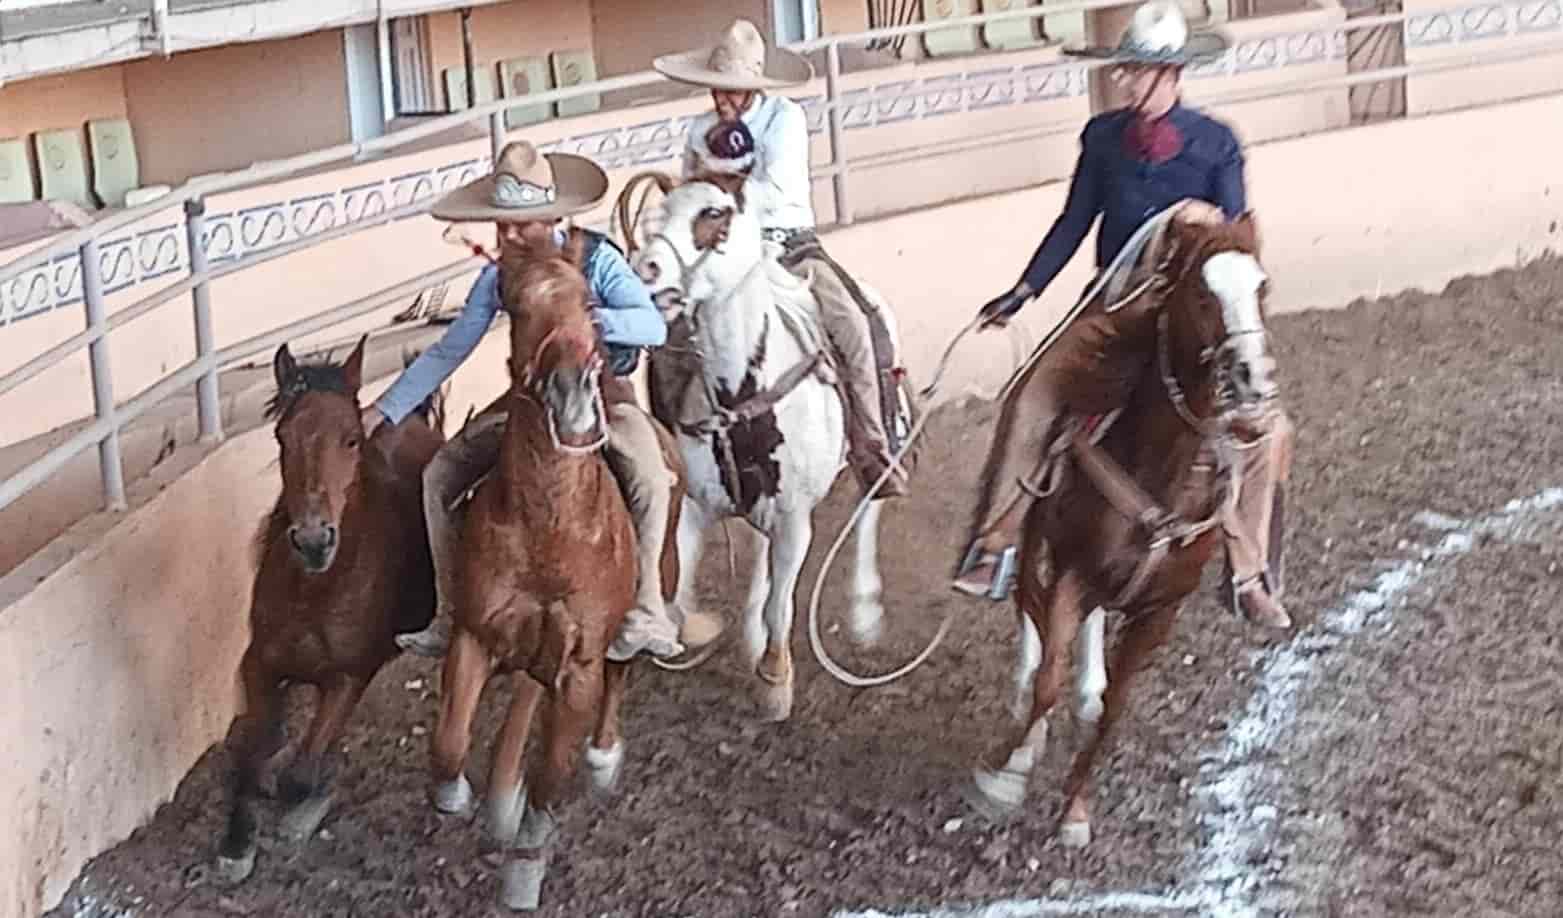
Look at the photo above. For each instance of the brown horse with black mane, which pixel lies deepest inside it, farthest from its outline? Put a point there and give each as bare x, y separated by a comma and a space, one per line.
344, 567
549, 571
1136, 513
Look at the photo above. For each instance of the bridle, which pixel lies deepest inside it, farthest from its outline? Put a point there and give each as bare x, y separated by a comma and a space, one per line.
530, 382
1218, 355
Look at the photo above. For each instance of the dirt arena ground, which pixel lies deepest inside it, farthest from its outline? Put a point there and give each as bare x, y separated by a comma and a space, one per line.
1398, 754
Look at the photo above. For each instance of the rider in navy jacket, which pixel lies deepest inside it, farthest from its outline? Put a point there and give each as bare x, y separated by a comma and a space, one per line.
1134, 163
1113, 181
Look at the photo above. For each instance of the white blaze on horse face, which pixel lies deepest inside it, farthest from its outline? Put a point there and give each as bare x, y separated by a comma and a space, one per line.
1235, 279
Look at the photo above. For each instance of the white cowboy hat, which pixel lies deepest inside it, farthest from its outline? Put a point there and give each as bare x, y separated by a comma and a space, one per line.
526, 185
1159, 34
739, 62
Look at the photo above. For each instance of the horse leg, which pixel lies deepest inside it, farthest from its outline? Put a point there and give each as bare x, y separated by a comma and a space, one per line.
1140, 637
605, 755
467, 668
789, 547
697, 627
759, 595
257, 736
305, 785
866, 623
1027, 661
502, 802
1091, 668
1055, 613
568, 719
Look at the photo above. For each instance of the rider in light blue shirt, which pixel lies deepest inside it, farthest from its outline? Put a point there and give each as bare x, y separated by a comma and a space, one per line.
621, 309
526, 191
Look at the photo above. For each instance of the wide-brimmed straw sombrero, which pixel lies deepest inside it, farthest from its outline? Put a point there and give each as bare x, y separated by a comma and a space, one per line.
1159, 34
740, 62
526, 185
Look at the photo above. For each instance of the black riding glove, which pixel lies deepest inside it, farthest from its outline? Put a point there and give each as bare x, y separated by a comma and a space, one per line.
996, 312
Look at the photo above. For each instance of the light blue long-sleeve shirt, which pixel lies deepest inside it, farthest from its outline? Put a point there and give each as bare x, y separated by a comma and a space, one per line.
621, 308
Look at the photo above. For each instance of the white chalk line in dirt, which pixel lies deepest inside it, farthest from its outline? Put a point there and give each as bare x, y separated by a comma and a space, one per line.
1223, 882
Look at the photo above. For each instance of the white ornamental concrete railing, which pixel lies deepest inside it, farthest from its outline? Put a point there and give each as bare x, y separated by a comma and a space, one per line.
74, 264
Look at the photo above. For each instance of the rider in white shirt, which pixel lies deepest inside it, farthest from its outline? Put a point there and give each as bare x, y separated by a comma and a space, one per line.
766, 138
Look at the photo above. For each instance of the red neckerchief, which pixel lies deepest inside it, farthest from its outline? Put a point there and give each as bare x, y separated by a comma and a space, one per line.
1152, 140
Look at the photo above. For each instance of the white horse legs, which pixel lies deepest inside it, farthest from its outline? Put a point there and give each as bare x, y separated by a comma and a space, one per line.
789, 546
1091, 667
1026, 663
866, 621
693, 520
755, 635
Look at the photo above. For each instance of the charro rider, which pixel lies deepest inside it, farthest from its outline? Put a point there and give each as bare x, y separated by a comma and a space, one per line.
766, 137
1135, 162
528, 193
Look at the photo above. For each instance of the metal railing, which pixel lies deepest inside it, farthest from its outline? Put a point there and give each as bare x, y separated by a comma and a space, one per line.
110, 416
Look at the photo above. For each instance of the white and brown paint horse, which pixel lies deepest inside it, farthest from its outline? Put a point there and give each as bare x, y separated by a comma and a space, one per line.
744, 381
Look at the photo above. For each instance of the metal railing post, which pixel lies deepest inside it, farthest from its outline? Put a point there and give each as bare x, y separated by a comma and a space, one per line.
496, 135
207, 401
110, 467
838, 153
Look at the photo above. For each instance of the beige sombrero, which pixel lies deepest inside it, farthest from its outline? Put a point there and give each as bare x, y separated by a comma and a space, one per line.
739, 62
526, 185
1159, 34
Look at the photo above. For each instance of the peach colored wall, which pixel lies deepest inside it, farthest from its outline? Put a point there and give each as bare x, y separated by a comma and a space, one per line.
108, 706
225, 108
629, 33
1436, 92
68, 101
506, 30
843, 17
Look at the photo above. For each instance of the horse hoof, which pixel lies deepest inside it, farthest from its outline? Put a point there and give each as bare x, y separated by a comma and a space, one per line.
775, 703
1088, 709
300, 822
453, 798
521, 884
235, 870
867, 623
604, 765
998, 795
1074, 834
502, 818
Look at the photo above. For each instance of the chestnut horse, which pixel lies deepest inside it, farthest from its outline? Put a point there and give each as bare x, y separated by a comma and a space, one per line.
344, 567
1140, 514
548, 572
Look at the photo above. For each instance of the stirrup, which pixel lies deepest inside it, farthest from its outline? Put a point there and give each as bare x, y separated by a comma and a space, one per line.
1004, 570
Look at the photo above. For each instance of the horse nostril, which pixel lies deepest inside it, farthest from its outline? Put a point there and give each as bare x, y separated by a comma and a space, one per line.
650, 271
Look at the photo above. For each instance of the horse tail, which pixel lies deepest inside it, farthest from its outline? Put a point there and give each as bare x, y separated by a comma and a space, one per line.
431, 409
625, 222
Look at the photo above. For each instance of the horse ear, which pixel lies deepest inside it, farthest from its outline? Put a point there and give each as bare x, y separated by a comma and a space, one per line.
283, 366
353, 368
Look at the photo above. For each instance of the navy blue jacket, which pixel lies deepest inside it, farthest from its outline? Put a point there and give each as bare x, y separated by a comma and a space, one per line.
1126, 191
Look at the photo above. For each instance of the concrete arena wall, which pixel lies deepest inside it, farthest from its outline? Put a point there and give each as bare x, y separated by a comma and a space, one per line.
118, 643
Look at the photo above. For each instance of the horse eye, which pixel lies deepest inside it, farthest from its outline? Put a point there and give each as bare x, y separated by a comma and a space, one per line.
352, 442
711, 213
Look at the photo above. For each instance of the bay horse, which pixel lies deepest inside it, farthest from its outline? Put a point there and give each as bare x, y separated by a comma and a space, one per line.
548, 573
344, 566
743, 382
1138, 514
